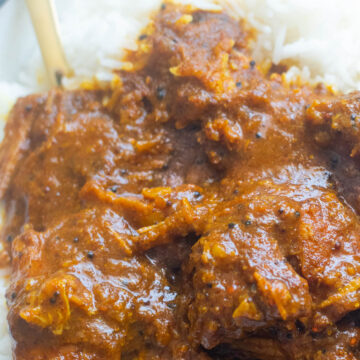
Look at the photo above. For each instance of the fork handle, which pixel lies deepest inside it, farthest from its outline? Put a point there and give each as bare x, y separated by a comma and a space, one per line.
44, 19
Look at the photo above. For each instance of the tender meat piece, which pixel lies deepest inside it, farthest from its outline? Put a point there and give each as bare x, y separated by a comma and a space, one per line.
271, 257
337, 119
48, 121
15, 142
70, 156
330, 256
31, 121
341, 345
78, 285
334, 125
160, 214
181, 60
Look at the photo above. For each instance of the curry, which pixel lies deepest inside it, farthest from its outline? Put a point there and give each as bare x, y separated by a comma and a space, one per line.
199, 207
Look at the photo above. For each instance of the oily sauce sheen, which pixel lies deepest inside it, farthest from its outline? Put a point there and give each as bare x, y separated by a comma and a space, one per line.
197, 208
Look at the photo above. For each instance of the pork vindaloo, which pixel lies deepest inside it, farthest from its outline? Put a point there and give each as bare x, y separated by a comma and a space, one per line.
200, 207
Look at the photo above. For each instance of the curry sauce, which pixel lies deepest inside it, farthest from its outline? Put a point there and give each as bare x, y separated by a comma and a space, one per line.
196, 208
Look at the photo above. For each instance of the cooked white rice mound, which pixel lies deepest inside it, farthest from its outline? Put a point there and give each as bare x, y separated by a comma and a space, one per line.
318, 39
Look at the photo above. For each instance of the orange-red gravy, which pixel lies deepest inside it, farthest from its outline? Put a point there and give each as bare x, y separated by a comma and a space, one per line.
196, 209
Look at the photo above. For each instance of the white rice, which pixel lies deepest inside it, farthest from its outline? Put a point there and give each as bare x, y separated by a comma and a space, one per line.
319, 39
